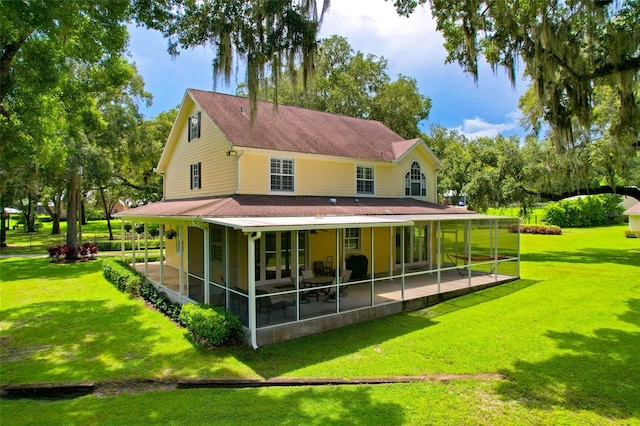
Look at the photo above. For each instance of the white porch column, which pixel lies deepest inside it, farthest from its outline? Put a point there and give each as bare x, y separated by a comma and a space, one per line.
295, 268
338, 267
373, 264
207, 264
402, 263
226, 267
439, 253
391, 260
146, 249
133, 245
180, 243
251, 270
122, 245
162, 254
467, 247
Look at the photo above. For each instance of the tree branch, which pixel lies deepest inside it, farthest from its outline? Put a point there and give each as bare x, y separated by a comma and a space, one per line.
630, 191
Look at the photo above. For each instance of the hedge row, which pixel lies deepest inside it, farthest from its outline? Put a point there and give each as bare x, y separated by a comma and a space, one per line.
116, 245
208, 325
536, 229
594, 210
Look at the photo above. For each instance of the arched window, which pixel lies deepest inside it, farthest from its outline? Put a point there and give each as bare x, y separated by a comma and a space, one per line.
415, 182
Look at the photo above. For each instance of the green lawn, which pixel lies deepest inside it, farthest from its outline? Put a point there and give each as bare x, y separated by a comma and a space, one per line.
566, 336
535, 218
21, 242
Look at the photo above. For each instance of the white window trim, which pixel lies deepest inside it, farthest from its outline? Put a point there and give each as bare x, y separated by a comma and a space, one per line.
357, 239
190, 137
295, 183
197, 177
373, 179
424, 186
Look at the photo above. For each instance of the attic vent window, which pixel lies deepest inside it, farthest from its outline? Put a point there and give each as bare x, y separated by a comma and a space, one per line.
194, 126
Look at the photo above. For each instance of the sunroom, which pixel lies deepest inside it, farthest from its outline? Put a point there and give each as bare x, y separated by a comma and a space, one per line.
290, 276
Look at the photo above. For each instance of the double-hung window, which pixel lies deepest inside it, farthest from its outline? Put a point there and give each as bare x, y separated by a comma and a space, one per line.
194, 126
364, 180
281, 174
352, 239
196, 175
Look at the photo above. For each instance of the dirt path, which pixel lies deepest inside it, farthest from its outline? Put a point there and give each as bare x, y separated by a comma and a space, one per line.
116, 387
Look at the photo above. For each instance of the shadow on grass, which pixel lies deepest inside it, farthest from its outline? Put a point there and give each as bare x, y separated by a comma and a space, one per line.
354, 405
69, 341
42, 268
476, 298
585, 255
599, 373
279, 359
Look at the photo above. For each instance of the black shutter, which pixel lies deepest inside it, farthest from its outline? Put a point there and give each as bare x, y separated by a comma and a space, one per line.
191, 175
199, 126
189, 131
199, 170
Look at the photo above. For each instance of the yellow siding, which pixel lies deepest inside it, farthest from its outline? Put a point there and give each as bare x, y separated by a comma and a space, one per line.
394, 177
253, 172
218, 169
634, 223
329, 176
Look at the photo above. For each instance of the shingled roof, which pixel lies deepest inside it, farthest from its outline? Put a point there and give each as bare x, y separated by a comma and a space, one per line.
284, 206
303, 130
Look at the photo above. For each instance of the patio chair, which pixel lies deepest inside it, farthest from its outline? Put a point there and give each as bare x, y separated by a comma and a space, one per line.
264, 304
344, 278
305, 275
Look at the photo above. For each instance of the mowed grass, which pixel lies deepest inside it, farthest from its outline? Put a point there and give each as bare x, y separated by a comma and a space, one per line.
21, 242
566, 336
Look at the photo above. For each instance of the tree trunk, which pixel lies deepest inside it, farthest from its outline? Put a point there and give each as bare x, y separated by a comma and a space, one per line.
72, 211
3, 227
55, 214
107, 213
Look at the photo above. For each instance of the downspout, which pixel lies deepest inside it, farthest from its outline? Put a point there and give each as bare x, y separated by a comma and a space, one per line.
251, 269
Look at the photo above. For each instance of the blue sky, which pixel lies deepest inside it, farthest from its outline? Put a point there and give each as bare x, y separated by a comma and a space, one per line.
411, 46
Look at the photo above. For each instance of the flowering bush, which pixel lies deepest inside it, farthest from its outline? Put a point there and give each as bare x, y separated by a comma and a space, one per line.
536, 229
70, 253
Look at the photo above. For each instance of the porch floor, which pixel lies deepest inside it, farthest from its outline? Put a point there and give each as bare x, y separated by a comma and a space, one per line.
359, 295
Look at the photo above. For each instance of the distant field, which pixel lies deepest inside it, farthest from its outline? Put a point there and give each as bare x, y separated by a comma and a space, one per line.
21, 242
535, 218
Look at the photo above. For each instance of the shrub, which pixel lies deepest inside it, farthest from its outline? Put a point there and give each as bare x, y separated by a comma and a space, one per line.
127, 227
536, 229
211, 325
122, 276
127, 280
116, 245
69, 253
592, 210
632, 234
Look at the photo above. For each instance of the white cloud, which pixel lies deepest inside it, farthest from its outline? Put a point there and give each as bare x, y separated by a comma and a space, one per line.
474, 128
409, 44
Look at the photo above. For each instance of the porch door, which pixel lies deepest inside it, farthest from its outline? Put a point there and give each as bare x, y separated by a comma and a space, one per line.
416, 245
275, 256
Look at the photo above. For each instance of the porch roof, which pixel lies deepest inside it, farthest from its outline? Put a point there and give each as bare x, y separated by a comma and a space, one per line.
284, 223
268, 206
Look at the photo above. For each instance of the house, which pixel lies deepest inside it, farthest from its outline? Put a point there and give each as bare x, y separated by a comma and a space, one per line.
304, 221
634, 217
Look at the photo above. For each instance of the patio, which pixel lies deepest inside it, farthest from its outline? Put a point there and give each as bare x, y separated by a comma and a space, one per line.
419, 287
